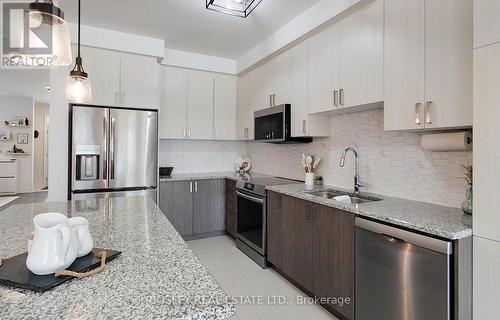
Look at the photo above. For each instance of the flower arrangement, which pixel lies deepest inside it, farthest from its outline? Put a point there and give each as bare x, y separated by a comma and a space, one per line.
468, 173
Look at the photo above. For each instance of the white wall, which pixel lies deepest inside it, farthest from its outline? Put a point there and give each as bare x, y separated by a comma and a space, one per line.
40, 165
392, 163
188, 156
10, 108
58, 137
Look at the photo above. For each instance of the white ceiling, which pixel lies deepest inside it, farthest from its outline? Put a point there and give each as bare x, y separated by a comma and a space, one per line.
186, 24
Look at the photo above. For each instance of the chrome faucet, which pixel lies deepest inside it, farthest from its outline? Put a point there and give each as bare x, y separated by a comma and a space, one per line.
357, 183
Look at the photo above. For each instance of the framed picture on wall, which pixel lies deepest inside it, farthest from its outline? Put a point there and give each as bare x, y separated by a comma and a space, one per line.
22, 138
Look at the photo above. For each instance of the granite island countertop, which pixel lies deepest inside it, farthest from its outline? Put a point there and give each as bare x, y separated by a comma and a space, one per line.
157, 276
213, 175
441, 221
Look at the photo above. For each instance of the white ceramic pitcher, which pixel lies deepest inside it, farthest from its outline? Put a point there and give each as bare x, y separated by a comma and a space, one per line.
54, 246
85, 243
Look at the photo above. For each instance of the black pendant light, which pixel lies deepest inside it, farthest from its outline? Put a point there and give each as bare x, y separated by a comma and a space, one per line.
46, 14
78, 88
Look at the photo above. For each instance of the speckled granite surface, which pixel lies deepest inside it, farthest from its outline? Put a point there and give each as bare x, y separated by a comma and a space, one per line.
446, 222
214, 175
156, 277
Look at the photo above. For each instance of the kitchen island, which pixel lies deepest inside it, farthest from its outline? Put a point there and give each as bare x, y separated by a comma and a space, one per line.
157, 276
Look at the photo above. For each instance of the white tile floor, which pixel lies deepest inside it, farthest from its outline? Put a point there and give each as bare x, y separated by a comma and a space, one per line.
240, 276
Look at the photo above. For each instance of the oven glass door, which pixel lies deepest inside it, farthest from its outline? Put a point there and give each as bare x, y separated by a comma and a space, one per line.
251, 223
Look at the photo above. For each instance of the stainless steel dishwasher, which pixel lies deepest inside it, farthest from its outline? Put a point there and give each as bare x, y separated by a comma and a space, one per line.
401, 275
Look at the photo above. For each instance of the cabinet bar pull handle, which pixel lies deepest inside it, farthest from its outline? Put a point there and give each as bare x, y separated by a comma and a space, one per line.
335, 98
341, 97
196, 186
191, 186
304, 126
270, 100
428, 117
417, 113
189, 132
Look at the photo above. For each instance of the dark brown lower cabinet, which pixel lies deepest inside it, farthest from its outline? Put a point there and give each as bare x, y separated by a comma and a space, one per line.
333, 258
297, 241
275, 229
313, 246
231, 207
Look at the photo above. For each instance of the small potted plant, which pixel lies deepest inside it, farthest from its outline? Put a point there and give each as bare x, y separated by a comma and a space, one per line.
467, 204
318, 181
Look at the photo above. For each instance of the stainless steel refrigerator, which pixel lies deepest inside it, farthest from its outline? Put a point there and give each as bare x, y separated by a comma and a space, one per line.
114, 152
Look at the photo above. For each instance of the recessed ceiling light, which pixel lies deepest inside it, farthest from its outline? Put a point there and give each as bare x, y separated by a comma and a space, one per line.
239, 8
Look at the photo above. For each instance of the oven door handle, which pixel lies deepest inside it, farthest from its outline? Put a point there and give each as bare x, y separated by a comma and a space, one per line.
253, 199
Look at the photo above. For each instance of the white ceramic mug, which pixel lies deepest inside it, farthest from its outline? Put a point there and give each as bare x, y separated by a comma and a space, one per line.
85, 242
54, 246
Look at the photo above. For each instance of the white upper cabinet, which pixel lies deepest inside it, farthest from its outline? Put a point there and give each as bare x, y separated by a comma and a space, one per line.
200, 102
278, 74
197, 105
225, 102
448, 63
303, 124
298, 90
104, 77
486, 22
173, 110
324, 70
125, 80
404, 64
345, 61
139, 81
251, 94
428, 64
362, 56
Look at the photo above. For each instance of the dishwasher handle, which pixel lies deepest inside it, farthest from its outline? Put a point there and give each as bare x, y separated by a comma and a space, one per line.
402, 236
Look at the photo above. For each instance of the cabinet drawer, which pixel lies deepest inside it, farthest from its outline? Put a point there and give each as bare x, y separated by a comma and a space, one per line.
8, 169
8, 185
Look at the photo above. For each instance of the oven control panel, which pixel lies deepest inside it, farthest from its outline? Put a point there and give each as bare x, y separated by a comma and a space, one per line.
249, 186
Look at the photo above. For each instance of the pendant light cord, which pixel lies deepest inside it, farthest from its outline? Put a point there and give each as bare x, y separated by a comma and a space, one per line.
79, 29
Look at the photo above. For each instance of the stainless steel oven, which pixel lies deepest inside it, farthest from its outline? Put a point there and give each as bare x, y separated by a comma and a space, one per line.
251, 222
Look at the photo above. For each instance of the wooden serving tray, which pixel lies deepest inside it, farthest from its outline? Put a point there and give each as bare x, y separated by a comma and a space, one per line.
14, 273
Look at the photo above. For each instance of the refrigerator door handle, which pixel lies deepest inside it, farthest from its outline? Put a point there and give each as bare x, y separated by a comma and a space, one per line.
112, 149
105, 156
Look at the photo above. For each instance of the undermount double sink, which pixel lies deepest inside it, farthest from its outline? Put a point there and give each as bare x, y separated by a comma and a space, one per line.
355, 198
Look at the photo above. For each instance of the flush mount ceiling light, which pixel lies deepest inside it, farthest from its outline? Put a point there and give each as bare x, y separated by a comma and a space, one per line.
46, 16
78, 87
239, 8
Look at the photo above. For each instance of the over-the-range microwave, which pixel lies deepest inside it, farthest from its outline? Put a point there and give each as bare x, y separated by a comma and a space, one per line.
273, 125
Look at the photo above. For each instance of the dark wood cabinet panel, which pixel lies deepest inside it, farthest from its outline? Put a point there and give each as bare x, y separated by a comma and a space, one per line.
313, 246
176, 202
208, 206
333, 256
231, 207
275, 229
297, 239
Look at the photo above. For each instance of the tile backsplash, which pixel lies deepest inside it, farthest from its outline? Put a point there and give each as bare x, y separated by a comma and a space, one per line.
391, 163
199, 156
